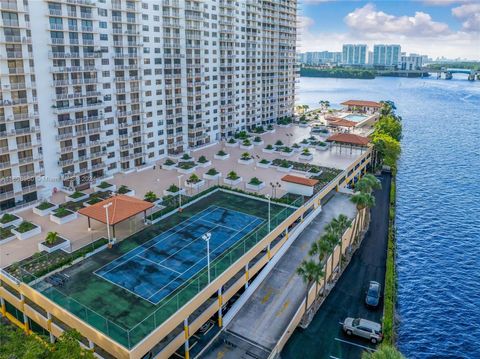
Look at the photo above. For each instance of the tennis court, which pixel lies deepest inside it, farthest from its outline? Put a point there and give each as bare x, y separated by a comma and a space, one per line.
158, 267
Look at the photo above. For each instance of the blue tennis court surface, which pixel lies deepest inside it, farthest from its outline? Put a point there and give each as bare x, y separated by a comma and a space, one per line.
158, 267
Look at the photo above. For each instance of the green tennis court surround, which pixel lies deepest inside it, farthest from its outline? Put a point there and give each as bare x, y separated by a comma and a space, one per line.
129, 290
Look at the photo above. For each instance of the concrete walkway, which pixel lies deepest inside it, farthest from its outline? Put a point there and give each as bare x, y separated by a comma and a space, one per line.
262, 320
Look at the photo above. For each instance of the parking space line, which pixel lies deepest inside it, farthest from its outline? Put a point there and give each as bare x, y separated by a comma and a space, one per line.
355, 344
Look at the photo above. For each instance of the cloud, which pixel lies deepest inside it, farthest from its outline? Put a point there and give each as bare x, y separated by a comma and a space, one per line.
443, 2
469, 15
416, 34
368, 20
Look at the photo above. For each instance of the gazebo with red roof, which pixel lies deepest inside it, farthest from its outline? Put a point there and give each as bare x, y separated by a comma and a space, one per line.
349, 140
363, 106
119, 209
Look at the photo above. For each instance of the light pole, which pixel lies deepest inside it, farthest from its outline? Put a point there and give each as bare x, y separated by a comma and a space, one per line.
268, 246
206, 238
180, 193
269, 199
108, 222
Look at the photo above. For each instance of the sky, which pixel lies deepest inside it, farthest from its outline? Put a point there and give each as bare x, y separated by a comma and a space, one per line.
449, 28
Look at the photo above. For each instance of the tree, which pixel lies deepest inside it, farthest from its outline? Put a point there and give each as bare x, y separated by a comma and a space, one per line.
310, 272
384, 351
67, 346
362, 201
51, 238
332, 239
367, 184
340, 225
389, 125
150, 196
388, 148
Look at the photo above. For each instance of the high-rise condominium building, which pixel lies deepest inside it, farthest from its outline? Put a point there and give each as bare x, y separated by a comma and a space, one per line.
411, 61
386, 55
321, 57
90, 88
354, 54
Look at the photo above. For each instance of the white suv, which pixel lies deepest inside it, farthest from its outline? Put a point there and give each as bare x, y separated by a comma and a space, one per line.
363, 328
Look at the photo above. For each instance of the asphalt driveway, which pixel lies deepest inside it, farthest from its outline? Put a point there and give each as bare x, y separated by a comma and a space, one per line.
324, 337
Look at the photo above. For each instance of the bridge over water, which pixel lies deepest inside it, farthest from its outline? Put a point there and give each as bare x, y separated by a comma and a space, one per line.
448, 73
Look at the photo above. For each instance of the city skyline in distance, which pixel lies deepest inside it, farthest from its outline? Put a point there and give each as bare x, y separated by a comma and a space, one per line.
437, 28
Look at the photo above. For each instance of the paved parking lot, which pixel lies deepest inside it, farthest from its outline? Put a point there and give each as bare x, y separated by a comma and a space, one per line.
324, 337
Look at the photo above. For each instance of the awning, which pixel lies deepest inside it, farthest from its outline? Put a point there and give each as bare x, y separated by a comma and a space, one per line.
122, 208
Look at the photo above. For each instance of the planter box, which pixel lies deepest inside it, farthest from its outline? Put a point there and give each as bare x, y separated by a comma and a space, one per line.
204, 165
15, 222
306, 157
255, 187
299, 149
264, 150
169, 167
44, 212
111, 188
249, 147
263, 165
284, 169
8, 239
304, 145
130, 193
29, 234
285, 154
231, 144
232, 182
258, 143
188, 171
62, 245
303, 125
321, 148
63, 220
246, 162
79, 199
285, 126
222, 158
212, 177
168, 193
271, 131
195, 185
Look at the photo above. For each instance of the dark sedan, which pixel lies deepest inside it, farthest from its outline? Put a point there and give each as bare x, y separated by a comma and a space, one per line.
373, 294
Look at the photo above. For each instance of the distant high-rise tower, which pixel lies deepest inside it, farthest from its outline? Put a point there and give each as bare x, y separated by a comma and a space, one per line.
354, 54
386, 55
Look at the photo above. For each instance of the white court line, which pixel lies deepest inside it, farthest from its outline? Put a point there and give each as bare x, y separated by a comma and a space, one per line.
332, 357
231, 245
355, 344
158, 264
182, 224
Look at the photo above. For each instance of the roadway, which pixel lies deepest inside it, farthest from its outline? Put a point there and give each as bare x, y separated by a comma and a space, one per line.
260, 323
324, 337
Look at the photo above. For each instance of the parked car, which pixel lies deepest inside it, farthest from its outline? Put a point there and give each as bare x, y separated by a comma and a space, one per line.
363, 328
372, 297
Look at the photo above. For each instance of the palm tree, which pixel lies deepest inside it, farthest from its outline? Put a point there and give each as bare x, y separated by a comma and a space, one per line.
368, 183
320, 249
340, 225
51, 238
362, 201
310, 272
332, 239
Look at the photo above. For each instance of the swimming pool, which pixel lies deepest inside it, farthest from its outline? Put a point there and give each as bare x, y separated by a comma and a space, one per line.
355, 118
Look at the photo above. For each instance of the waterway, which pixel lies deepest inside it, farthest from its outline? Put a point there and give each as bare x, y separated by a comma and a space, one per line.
438, 205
